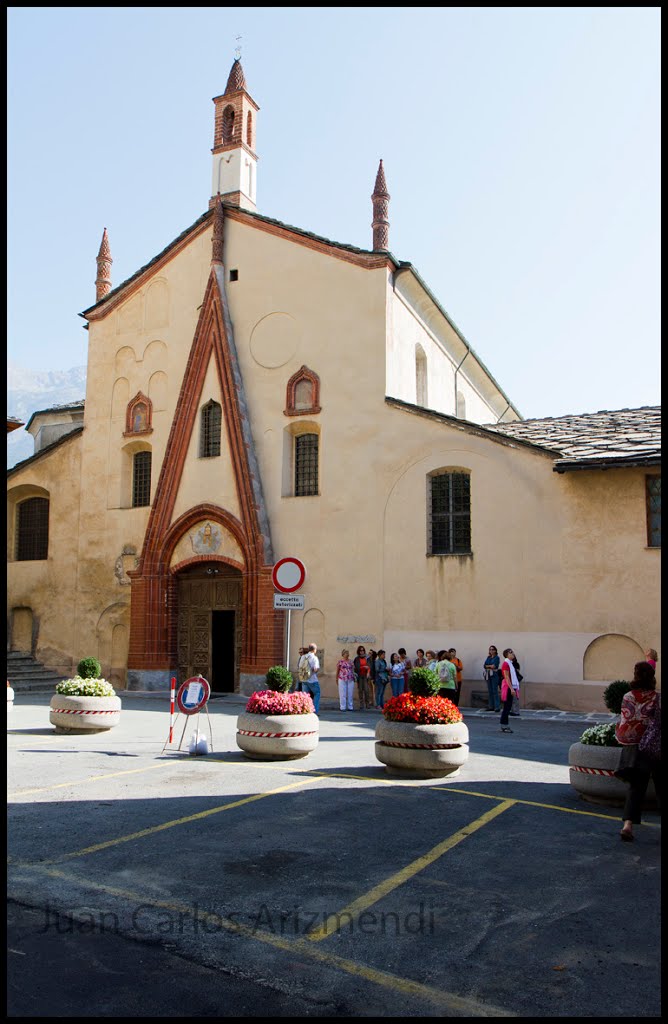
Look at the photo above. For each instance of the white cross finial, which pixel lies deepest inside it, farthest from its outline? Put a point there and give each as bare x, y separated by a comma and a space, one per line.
237, 52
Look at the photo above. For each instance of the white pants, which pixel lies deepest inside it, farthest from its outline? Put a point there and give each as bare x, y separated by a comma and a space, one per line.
346, 695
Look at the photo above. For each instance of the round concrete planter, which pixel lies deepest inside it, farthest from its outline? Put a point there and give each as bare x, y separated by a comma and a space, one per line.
421, 751
591, 775
277, 737
84, 714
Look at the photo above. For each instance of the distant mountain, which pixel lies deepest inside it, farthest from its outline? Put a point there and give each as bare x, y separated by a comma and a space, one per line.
29, 391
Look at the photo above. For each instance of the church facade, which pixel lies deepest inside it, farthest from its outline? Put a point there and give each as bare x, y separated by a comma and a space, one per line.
256, 392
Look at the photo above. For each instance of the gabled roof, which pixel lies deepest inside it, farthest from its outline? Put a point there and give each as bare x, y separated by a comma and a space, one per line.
362, 257
46, 450
594, 440
77, 406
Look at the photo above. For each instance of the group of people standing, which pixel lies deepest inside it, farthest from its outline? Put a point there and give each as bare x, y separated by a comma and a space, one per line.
373, 672
503, 679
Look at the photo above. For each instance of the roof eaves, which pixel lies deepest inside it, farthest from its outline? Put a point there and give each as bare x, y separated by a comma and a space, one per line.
175, 241
74, 407
567, 465
472, 428
409, 266
45, 451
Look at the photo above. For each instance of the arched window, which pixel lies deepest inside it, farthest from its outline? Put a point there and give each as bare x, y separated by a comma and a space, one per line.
303, 393
141, 479
249, 130
449, 512
32, 529
228, 125
420, 376
306, 464
210, 425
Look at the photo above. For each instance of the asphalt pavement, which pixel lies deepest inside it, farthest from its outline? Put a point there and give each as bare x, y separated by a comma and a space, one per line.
146, 882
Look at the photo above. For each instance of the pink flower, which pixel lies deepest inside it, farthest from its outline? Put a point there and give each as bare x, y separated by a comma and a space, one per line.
272, 702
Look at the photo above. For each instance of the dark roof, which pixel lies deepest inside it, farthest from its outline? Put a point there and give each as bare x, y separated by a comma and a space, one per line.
594, 440
67, 407
45, 451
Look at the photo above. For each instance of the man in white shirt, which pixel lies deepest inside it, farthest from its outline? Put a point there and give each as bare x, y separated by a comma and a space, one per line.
312, 685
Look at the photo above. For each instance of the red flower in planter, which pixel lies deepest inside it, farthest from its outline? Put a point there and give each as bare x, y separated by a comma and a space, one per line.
407, 707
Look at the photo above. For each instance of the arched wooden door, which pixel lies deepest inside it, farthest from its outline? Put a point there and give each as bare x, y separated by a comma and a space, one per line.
209, 640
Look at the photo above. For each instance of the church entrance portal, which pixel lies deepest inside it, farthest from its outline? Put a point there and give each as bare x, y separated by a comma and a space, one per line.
209, 625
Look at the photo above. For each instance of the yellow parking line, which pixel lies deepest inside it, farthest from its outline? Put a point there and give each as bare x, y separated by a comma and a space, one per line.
178, 821
297, 947
444, 790
89, 778
333, 923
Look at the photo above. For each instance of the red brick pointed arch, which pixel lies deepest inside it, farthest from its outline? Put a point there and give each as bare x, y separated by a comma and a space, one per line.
154, 597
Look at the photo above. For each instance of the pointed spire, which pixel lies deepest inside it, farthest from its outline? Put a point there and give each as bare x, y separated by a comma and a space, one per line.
380, 188
104, 261
236, 80
381, 201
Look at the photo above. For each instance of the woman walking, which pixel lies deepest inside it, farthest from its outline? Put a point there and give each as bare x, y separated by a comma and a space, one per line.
510, 687
640, 727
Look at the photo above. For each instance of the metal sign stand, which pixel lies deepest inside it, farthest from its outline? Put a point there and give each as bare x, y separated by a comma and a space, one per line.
187, 714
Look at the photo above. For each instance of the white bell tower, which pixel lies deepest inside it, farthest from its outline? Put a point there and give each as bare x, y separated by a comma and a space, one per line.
234, 160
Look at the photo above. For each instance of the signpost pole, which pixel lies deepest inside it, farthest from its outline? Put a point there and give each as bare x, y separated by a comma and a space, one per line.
287, 646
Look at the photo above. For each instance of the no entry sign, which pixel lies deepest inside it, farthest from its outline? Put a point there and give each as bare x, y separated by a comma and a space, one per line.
193, 695
288, 575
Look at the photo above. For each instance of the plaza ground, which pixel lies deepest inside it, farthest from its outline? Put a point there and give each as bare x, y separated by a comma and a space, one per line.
151, 883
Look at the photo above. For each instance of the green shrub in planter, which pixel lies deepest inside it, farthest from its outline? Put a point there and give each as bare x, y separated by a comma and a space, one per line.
89, 668
614, 694
424, 682
279, 678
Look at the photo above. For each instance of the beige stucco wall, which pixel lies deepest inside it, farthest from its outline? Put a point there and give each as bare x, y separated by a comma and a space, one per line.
47, 587
557, 560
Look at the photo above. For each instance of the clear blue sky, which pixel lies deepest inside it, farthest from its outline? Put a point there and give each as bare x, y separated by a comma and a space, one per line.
521, 148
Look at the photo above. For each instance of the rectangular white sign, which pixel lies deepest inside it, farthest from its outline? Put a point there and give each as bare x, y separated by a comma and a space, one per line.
289, 601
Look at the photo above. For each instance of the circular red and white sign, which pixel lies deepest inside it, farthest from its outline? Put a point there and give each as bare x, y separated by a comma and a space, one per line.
288, 575
193, 695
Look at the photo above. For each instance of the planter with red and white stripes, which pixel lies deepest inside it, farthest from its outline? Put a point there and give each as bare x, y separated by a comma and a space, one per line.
591, 771
277, 737
84, 714
421, 751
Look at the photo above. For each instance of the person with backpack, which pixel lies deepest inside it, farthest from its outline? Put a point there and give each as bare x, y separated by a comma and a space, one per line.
640, 726
309, 666
362, 672
297, 688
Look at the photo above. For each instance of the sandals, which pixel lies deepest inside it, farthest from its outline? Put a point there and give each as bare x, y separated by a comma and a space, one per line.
626, 837
504, 728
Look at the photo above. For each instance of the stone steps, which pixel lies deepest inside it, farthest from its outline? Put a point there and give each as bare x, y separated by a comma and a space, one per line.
27, 675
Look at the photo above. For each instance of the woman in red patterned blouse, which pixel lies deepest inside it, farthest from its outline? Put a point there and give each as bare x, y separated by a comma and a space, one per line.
639, 706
